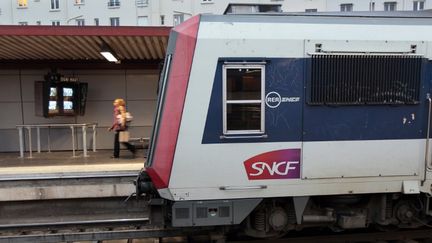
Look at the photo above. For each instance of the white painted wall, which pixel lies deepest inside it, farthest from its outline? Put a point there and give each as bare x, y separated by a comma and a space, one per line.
129, 10
137, 87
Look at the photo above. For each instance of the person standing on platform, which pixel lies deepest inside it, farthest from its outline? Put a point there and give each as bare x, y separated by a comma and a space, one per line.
120, 125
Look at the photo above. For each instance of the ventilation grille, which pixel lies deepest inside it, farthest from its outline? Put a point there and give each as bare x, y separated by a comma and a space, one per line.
182, 213
365, 79
201, 212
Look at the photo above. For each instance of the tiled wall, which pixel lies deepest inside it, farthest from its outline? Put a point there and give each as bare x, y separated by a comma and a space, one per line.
137, 87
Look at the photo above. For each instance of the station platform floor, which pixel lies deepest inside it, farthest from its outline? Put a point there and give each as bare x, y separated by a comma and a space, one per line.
63, 163
59, 175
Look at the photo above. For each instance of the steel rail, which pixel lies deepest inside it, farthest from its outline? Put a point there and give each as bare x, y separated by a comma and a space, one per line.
82, 234
103, 235
69, 223
351, 237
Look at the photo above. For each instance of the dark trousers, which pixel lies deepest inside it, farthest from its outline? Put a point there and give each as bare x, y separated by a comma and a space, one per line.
129, 146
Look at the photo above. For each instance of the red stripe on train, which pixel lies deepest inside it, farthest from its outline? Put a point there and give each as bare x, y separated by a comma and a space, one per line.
175, 96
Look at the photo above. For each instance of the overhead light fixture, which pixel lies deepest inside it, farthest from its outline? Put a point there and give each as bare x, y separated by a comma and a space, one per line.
107, 52
109, 56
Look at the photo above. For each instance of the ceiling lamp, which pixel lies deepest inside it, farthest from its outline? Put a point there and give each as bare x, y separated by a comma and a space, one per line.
108, 53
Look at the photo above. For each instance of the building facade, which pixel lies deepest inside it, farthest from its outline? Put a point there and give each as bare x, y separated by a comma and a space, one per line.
170, 12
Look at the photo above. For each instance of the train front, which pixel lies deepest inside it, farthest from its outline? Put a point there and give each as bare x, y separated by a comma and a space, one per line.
172, 92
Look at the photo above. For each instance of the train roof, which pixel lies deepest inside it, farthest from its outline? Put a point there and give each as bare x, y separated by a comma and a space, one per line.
377, 17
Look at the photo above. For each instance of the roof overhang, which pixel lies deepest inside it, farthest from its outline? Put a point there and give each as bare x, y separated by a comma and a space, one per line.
77, 45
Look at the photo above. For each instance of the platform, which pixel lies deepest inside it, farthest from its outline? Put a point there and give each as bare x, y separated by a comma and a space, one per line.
63, 162
58, 175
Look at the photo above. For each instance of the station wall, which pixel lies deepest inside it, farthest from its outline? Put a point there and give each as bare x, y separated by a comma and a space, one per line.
17, 106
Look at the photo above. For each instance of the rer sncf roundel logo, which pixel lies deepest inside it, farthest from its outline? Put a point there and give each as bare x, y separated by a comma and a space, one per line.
278, 164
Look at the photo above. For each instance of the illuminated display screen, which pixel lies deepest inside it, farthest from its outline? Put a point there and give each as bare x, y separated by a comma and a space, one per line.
60, 98
52, 106
67, 105
53, 91
67, 92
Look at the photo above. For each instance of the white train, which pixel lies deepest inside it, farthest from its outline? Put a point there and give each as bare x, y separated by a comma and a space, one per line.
286, 121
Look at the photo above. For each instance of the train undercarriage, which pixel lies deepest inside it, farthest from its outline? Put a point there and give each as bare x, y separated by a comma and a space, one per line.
273, 218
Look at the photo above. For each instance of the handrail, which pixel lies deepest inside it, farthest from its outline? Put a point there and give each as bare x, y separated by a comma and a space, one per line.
72, 126
235, 188
58, 125
427, 152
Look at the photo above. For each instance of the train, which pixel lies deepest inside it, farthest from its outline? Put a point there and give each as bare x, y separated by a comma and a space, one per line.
276, 122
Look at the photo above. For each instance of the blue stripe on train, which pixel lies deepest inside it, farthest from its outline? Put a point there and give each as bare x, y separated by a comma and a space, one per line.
298, 121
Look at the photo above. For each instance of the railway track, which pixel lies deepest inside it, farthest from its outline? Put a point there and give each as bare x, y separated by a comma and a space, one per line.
417, 235
114, 219
128, 229
93, 231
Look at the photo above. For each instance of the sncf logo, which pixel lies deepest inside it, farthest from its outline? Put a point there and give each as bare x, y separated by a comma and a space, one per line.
276, 168
279, 164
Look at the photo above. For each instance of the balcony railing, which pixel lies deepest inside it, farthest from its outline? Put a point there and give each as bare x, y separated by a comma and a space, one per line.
114, 4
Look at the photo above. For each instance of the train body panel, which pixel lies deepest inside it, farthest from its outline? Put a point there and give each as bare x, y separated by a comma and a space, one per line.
363, 158
299, 188
297, 141
326, 172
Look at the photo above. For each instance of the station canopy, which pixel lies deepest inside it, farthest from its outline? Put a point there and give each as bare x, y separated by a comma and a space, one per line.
82, 44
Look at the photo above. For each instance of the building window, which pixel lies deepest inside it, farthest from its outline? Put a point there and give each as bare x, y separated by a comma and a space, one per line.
142, 21
80, 22
372, 6
390, 6
418, 5
162, 19
311, 10
55, 4
79, 2
178, 18
243, 97
115, 21
253, 8
141, 3
22, 23
22, 3
55, 23
114, 3
346, 7
96, 21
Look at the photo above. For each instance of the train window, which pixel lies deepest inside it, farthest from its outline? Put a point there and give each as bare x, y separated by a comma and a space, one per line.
365, 79
243, 97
